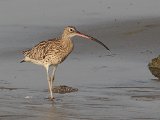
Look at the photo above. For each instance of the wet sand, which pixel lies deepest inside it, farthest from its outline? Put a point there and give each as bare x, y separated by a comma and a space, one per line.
118, 87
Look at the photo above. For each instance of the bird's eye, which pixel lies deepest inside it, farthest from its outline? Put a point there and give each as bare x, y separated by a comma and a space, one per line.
71, 30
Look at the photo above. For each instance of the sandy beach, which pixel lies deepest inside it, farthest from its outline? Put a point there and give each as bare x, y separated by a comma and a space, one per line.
118, 87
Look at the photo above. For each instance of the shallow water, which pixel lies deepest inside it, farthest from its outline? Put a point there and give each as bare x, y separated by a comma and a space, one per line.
118, 87
94, 101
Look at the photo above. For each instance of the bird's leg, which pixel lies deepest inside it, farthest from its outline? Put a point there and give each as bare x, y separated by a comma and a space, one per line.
53, 76
49, 83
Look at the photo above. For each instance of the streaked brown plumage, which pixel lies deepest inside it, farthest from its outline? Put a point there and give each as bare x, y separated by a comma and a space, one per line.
54, 51
51, 52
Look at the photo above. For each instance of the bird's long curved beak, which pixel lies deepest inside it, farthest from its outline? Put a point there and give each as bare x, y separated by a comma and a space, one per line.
91, 38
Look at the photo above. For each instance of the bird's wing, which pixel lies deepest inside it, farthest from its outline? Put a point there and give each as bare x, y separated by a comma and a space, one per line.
39, 51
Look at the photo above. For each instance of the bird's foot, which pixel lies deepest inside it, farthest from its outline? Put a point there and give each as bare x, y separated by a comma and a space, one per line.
51, 98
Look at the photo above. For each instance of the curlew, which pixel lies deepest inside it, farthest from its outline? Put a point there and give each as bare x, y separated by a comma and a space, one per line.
50, 53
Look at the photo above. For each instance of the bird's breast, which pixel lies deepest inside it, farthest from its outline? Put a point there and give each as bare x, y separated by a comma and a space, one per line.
66, 50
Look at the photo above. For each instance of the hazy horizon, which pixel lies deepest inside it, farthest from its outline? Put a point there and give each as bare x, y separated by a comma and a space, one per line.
71, 12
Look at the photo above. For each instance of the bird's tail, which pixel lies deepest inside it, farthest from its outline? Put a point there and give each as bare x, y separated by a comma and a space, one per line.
22, 61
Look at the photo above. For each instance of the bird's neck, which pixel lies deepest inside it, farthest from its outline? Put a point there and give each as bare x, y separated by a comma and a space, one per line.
66, 41
65, 37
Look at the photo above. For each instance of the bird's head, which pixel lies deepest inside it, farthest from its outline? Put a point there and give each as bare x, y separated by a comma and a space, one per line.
71, 31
